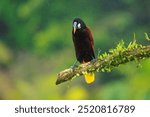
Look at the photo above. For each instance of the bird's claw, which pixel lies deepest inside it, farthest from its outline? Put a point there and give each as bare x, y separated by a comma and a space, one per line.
93, 60
74, 66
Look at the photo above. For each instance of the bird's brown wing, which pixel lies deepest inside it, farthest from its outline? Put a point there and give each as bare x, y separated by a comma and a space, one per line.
91, 37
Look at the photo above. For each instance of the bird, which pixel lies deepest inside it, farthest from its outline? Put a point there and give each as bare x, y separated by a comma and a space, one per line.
84, 45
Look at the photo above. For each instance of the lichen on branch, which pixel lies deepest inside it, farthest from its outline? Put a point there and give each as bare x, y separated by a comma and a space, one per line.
107, 61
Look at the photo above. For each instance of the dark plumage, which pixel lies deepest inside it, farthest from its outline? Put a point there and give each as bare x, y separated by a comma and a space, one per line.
84, 45
83, 41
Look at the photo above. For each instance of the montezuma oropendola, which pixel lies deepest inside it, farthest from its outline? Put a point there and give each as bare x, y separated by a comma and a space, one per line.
84, 45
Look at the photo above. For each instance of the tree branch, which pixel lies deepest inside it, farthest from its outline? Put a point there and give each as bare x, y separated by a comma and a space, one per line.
107, 61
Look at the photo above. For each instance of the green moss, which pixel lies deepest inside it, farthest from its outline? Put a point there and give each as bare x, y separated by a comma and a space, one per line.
122, 54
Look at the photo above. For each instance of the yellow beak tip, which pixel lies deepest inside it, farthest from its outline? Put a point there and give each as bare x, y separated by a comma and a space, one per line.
74, 30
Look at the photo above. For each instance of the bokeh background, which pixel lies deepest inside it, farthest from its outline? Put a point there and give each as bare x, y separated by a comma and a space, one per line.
36, 44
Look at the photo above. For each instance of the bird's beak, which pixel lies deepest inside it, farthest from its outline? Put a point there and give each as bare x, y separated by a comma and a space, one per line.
74, 29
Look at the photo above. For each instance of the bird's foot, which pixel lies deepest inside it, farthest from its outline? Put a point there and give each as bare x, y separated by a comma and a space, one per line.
93, 60
74, 66
99, 51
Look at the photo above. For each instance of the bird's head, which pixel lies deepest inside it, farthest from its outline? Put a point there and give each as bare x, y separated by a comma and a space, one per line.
78, 25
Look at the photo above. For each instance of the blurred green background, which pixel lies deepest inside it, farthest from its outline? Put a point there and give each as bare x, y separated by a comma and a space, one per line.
36, 44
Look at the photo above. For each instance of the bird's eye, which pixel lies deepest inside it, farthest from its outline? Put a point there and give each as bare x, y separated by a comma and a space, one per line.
79, 25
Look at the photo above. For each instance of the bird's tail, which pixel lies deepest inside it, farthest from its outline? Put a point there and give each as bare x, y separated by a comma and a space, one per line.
89, 77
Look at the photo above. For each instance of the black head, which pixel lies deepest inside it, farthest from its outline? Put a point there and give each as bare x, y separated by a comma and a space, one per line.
78, 24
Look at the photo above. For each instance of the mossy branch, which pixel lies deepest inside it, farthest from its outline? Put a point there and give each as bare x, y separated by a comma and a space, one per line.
107, 61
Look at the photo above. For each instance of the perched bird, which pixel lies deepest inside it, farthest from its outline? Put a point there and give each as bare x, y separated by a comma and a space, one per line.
84, 45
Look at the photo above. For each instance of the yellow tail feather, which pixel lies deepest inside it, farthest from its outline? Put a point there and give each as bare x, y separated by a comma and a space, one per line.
89, 77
